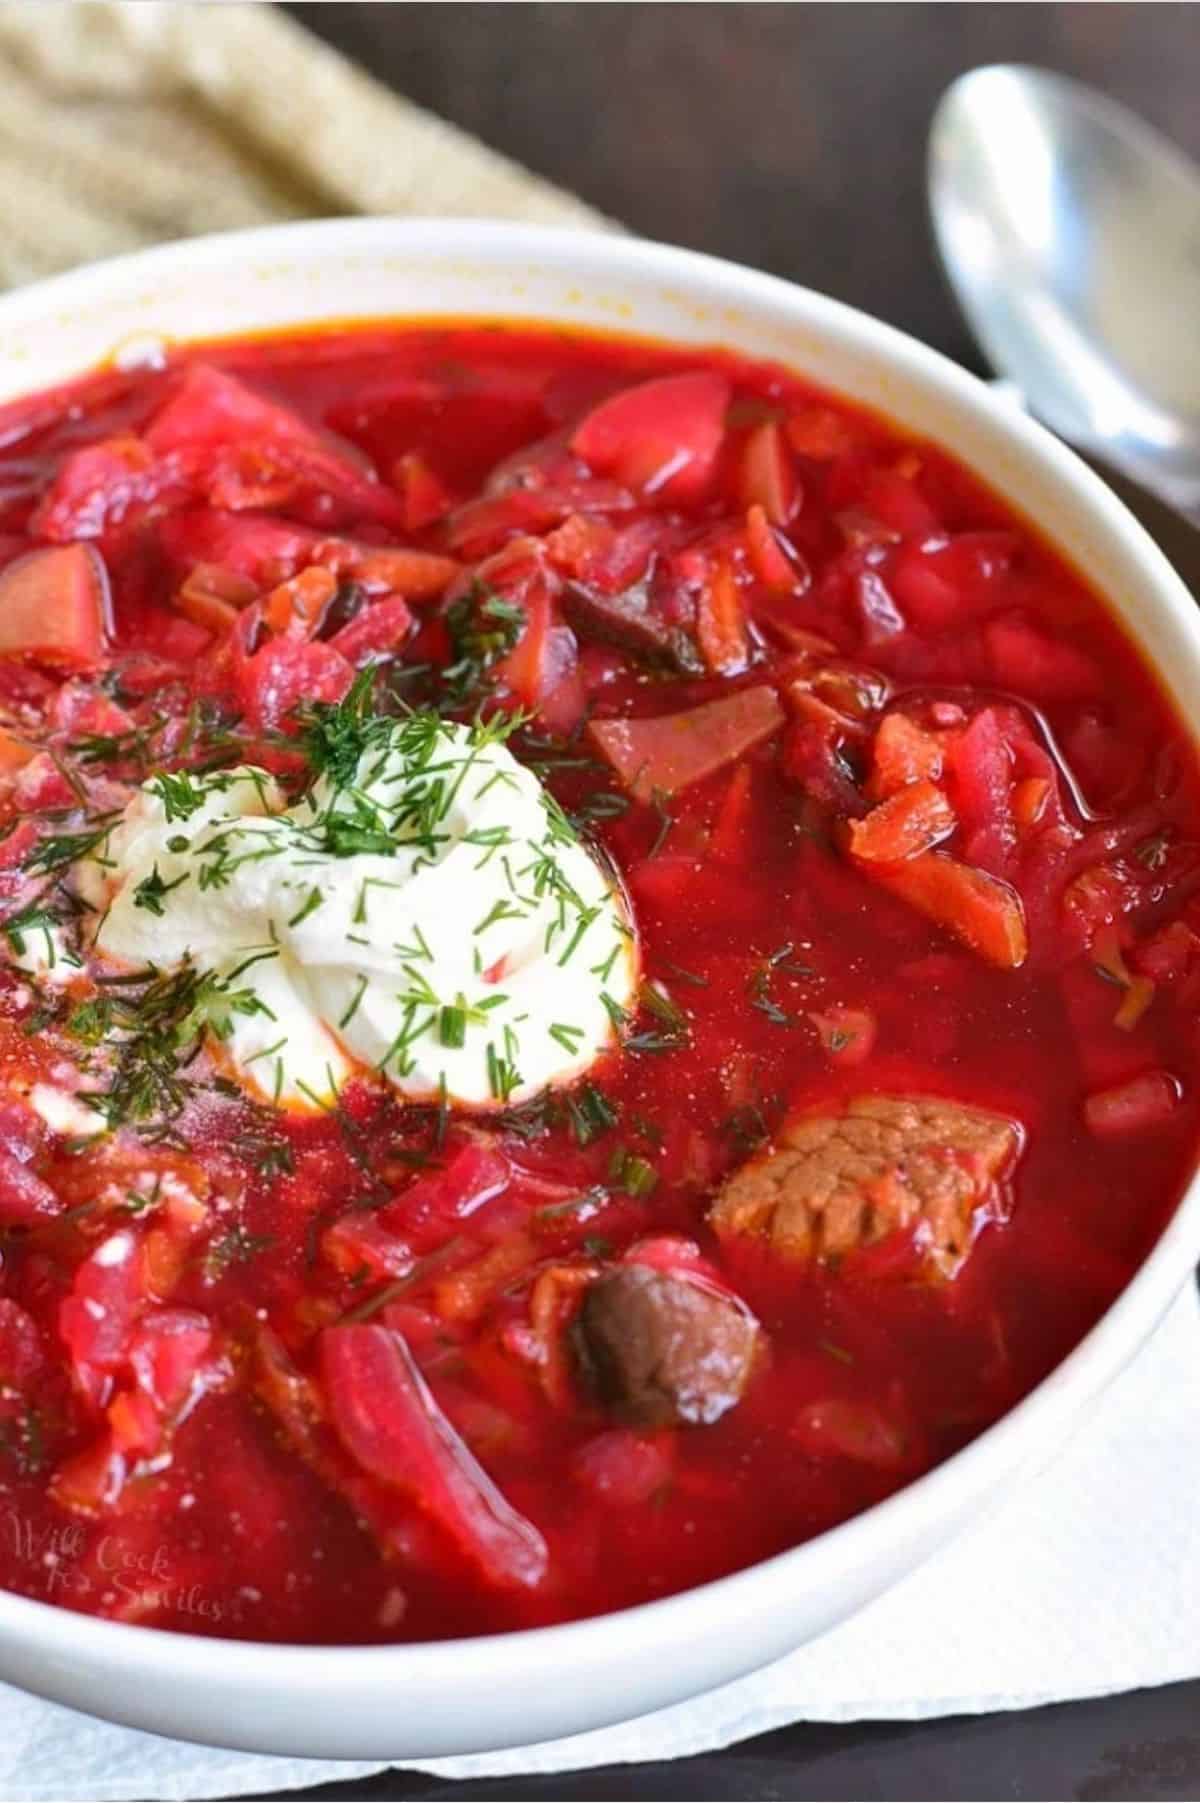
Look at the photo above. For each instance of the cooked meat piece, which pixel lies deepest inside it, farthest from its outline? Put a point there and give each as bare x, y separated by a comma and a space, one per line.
657, 1348
835, 1182
630, 621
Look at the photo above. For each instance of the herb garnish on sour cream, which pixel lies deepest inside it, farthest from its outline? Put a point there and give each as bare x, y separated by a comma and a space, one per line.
425, 910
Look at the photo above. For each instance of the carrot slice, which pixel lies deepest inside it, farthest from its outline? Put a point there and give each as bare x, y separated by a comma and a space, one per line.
721, 623
296, 606
768, 559
903, 753
14, 753
417, 575
983, 911
908, 823
766, 476
667, 752
1029, 799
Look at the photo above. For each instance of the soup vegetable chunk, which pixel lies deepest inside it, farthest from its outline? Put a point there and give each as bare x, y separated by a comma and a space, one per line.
599, 961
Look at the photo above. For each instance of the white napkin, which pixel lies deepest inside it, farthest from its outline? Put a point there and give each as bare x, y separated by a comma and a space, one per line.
1087, 1581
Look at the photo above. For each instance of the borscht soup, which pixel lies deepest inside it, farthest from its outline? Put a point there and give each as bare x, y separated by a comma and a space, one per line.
599, 960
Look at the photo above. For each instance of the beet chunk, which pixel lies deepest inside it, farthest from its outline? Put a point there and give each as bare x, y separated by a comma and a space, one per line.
657, 1349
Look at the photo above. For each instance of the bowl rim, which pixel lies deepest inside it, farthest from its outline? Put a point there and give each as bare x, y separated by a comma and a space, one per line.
968, 1475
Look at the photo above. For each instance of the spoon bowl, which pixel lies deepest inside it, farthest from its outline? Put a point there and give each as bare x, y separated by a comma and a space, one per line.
1070, 233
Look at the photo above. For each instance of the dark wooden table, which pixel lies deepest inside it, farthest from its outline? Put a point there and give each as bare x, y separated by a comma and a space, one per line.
791, 137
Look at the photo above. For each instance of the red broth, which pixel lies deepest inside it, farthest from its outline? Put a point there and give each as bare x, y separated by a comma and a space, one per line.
174, 1442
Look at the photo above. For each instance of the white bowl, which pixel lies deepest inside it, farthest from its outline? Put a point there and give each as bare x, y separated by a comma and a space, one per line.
469, 1695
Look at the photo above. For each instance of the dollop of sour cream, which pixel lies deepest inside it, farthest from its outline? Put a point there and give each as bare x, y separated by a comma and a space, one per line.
426, 910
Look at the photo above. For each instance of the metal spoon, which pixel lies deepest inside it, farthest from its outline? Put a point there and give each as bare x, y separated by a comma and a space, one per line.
1070, 233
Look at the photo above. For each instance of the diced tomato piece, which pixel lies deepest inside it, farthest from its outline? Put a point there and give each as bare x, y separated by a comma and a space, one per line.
981, 910
22, 1354
667, 752
661, 438
908, 823
1143, 1103
25, 1198
380, 629
167, 1351
55, 606
902, 753
212, 409
423, 497
721, 622
386, 1417
766, 475
284, 673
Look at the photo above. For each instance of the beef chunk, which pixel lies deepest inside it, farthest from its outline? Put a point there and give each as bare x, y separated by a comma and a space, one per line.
835, 1182
631, 621
656, 1348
